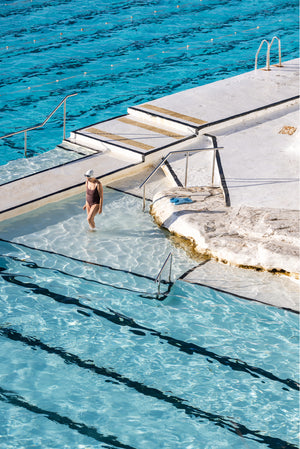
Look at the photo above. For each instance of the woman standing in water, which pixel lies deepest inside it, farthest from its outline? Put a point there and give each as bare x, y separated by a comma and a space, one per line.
94, 198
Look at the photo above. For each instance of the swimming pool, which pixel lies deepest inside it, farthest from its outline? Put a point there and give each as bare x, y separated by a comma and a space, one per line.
118, 54
90, 358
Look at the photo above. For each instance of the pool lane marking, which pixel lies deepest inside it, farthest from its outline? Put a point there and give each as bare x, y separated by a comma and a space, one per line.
151, 128
123, 320
47, 251
172, 113
115, 137
15, 399
34, 265
179, 403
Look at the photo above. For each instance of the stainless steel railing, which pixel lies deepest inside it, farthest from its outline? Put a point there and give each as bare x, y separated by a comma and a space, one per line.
42, 124
279, 50
186, 167
158, 277
269, 45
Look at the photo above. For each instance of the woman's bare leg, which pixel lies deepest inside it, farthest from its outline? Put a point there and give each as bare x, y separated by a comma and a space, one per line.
88, 209
91, 213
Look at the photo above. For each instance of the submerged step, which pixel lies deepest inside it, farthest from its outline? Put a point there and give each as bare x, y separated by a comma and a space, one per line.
79, 149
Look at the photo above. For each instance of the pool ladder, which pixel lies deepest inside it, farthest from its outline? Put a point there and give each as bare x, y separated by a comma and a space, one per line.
269, 45
158, 277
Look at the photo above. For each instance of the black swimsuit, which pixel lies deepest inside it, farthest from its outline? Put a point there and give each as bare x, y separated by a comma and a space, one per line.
92, 196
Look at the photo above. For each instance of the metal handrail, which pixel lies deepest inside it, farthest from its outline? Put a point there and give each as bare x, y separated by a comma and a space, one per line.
279, 50
257, 53
186, 166
269, 45
41, 124
158, 277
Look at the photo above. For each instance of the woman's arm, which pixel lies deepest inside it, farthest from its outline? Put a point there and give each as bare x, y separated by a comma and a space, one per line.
100, 190
84, 207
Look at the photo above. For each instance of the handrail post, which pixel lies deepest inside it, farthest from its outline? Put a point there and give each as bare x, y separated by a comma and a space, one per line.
64, 132
279, 49
171, 261
25, 143
257, 53
144, 197
213, 168
186, 168
158, 278
268, 58
279, 53
158, 288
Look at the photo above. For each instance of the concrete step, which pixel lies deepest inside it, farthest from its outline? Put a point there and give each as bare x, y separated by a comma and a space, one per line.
127, 135
73, 147
165, 117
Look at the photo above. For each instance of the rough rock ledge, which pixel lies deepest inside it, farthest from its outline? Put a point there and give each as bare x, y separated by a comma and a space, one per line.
266, 239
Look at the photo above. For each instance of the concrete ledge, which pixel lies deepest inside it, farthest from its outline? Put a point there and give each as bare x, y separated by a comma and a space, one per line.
266, 239
260, 286
33, 191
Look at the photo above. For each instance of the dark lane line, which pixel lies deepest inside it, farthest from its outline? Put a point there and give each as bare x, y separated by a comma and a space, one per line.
123, 320
86, 262
180, 404
18, 401
29, 264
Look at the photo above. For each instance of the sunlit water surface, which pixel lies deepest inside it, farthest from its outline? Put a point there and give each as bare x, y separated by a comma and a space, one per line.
90, 358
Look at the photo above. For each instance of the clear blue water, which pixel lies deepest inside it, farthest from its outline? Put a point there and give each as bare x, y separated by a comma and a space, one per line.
89, 357
116, 54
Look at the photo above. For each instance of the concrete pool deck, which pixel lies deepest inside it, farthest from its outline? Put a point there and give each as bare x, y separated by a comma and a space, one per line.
253, 117
182, 121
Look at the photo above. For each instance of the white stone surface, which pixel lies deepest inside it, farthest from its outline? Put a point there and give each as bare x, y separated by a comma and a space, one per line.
261, 165
236, 95
241, 236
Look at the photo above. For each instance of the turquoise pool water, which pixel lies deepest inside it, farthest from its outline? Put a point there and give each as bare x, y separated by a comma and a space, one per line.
91, 359
118, 54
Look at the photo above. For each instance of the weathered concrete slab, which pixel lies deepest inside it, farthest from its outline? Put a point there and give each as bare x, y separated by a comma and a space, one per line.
241, 236
268, 288
211, 103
